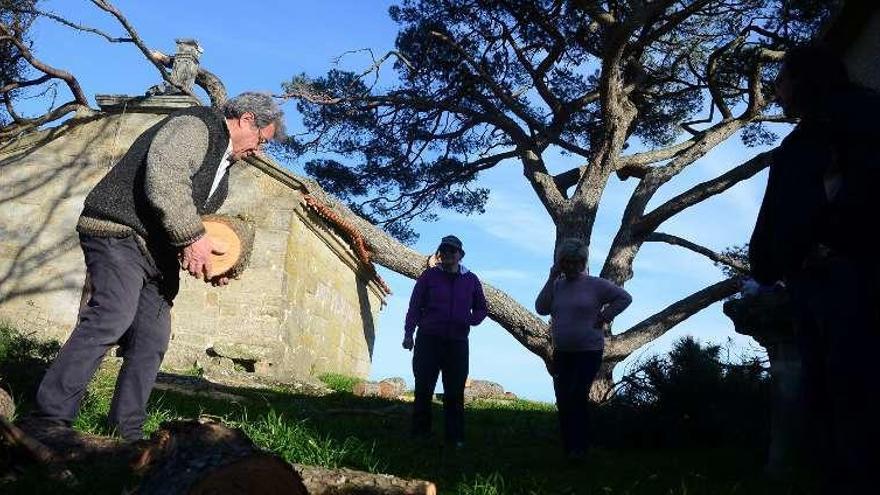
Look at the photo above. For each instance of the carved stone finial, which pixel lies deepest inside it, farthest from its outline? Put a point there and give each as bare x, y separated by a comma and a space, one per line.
184, 68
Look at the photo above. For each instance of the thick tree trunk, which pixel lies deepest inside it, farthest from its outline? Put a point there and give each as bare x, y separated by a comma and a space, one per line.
603, 384
348, 481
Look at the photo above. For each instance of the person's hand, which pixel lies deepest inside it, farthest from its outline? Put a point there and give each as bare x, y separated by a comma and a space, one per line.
196, 257
408, 342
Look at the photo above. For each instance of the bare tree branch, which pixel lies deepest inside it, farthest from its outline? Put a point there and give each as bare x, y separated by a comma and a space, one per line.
106, 6
712, 255
72, 83
569, 178
22, 125
712, 79
597, 13
622, 345
776, 118
23, 84
538, 74
702, 191
497, 91
658, 155
79, 27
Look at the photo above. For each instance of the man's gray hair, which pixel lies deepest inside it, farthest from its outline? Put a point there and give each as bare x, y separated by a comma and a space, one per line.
571, 247
266, 111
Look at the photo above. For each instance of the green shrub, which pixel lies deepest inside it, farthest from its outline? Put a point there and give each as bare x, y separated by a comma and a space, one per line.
340, 383
23, 361
690, 397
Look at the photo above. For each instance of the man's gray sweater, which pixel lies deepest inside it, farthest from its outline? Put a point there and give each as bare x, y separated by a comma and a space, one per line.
161, 186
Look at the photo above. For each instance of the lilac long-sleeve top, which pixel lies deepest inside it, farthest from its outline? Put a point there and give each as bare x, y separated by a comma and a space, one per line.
576, 306
446, 304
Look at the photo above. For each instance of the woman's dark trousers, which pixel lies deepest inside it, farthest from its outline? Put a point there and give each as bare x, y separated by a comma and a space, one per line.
434, 354
130, 305
573, 374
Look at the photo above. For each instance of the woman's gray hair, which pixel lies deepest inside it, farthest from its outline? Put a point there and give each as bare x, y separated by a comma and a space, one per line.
266, 111
571, 247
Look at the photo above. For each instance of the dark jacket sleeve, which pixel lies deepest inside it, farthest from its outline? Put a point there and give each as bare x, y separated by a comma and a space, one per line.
416, 302
615, 299
790, 218
544, 301
479, 309
762, 264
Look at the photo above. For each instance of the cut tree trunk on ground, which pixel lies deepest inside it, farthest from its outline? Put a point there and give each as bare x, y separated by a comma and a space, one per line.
347, 481
7, 405
196, 458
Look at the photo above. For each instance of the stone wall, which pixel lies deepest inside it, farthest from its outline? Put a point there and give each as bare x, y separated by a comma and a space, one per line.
303, 307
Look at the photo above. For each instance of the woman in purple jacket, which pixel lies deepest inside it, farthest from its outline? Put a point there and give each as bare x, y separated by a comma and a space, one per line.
446, 301
579, 306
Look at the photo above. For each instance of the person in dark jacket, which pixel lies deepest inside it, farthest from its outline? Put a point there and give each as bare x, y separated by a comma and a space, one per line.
138, 226
811, 235
580, 306
445, 303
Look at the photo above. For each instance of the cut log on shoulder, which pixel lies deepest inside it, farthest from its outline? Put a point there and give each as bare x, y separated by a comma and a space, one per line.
322, 481
235, 238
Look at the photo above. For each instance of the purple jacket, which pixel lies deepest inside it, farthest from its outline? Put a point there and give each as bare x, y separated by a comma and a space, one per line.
446, 304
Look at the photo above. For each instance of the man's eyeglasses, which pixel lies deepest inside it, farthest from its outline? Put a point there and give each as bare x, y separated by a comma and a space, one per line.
260, 139
448, 250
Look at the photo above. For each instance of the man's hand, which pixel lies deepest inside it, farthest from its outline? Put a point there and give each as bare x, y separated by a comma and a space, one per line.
196, 258
408, 343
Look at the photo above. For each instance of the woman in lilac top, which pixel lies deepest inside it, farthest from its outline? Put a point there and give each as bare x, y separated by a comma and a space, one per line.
579, 306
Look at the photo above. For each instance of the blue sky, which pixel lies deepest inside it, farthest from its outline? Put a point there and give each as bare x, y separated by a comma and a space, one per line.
258, 44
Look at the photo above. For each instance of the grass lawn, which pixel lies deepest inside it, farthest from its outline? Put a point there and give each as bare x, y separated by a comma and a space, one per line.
512, 446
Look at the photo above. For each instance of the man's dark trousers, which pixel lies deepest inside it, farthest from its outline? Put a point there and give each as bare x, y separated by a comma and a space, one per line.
836, 309
432, 355
130, 305
573, 374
